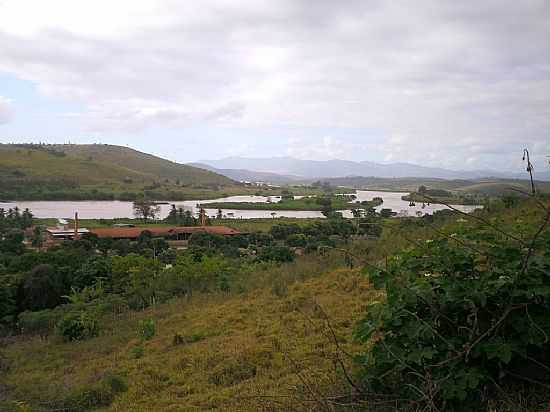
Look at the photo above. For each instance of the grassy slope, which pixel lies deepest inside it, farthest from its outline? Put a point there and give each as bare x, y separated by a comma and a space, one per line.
40, 164
276, 337
26, 172
145, 163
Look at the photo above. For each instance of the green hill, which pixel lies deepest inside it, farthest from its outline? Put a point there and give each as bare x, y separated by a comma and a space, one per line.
146, 164
99, 172
485, 187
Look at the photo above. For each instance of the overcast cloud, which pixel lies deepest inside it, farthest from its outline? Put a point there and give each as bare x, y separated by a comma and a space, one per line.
456, 84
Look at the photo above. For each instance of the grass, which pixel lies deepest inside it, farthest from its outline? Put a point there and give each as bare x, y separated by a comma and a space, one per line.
241, 352
101, 172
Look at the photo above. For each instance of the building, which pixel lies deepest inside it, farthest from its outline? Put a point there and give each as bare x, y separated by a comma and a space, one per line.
64, 233
166, 232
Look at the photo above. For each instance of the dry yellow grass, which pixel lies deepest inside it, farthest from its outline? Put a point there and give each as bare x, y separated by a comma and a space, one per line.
243, 353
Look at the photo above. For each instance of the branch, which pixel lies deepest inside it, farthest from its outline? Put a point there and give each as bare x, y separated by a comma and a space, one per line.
472, 216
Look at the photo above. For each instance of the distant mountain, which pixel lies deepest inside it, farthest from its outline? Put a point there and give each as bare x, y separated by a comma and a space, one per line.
243, 175
314, 169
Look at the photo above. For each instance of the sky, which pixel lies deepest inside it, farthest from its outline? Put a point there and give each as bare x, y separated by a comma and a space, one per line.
455, 84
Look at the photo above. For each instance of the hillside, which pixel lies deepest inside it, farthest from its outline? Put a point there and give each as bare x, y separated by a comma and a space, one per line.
486, 187
98, 172
241, 350
147, 164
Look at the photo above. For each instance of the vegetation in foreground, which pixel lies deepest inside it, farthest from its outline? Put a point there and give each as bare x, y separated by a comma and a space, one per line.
246, 336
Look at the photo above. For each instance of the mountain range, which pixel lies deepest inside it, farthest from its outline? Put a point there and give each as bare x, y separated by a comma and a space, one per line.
288, 169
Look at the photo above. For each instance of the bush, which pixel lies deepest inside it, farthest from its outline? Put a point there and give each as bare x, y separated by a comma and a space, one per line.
146, 329
76, 326
137, 352
91, 396
296, 240
458, 324
276, 254
40, 323
232, 371
180, 339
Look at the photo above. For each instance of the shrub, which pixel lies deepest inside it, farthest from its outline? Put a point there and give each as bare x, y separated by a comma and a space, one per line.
40, 323
137, 352
180, 339
91, 396
232, 371
77, 326
458, 324
146, 329
276, 254
296, 240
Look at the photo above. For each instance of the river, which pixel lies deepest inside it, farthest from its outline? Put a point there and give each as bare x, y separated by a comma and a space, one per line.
106, 209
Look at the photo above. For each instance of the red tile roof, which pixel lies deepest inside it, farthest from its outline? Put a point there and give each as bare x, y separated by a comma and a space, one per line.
134, 232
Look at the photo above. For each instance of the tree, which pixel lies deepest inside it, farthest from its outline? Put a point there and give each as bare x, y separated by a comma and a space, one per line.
42, 288
37, 239
145, 209
422, 189
94, 268
172, 217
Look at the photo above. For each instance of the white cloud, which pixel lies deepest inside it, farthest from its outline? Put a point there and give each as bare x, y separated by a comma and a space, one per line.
457, 80
7, 110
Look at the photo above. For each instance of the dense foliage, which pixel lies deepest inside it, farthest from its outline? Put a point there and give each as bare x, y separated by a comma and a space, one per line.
466, 317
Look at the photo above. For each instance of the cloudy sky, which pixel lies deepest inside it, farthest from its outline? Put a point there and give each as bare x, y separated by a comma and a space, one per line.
458, 84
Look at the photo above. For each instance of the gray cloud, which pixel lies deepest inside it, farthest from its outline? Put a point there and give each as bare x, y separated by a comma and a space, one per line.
7, 110
453, 80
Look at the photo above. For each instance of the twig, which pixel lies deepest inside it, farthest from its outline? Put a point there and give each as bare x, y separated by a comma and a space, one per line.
472, 216
533, 242
488, 331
